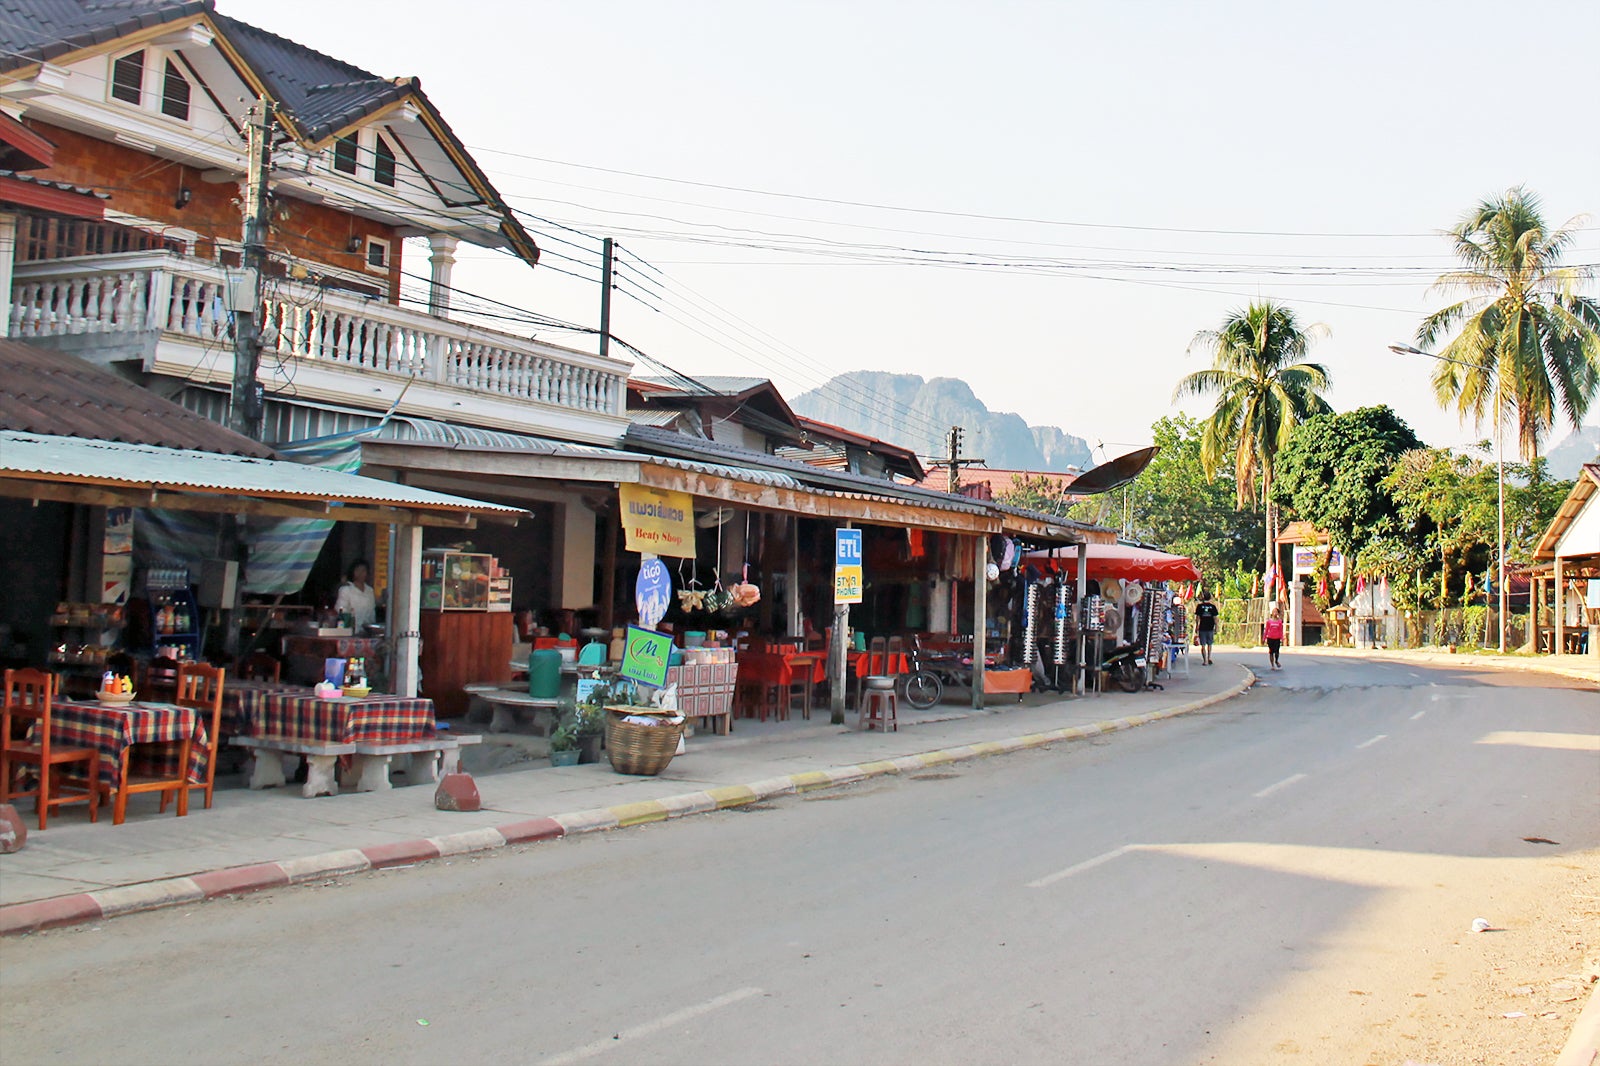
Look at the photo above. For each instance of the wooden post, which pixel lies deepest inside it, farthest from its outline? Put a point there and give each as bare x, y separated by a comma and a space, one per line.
1560, 643
608, 574
980, 615
406, 624
796, 627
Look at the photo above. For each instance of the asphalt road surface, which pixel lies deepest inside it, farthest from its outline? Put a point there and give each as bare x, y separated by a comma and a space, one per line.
1177, 893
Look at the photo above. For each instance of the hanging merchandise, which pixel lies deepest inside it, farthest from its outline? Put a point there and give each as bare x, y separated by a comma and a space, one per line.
745, 594
691, 597
1064, 594
1030, 621
718, 599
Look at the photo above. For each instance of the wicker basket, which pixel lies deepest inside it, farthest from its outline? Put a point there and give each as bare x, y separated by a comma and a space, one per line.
635, 748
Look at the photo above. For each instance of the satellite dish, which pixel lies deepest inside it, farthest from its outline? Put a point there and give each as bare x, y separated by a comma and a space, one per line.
714, 517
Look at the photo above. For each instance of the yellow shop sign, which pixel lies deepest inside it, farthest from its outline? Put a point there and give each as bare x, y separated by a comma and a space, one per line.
658, 520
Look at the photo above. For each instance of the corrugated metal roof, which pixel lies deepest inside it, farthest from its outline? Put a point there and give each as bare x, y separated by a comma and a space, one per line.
111, 462
429, 431
661, 419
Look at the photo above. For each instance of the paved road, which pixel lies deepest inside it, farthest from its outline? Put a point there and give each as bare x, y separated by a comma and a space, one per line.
1150, 897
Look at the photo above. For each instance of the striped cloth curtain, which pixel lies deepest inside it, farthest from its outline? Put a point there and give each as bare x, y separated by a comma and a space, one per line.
282, 550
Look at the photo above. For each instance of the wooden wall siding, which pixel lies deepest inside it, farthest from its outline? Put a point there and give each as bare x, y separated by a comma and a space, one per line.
147, 186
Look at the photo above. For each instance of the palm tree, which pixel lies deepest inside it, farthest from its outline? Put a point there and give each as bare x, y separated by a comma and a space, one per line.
1264, 388
1521, 321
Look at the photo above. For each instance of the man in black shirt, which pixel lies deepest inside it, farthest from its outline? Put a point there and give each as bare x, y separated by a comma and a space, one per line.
1205, 626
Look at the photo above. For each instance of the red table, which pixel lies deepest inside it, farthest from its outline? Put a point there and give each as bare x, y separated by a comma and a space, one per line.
111, 728
370, 720
898, 663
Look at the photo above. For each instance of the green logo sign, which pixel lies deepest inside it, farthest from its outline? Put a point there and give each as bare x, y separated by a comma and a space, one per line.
644, 656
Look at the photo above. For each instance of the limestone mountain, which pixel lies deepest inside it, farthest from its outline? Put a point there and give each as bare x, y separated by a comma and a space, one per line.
1580, 446
907, 410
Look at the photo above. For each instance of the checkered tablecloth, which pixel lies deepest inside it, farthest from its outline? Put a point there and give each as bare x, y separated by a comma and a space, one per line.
373, 720
704, 689
110, 728
242, 702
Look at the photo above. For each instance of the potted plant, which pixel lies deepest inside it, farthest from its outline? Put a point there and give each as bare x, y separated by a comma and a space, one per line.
564, 744
589, 730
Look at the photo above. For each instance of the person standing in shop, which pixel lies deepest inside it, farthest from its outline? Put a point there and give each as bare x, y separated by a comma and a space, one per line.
1205, 626
357, 598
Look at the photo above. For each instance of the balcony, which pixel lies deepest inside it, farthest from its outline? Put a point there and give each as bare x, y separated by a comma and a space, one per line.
322, 345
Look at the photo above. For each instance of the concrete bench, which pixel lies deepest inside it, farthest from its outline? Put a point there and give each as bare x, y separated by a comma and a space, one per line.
272, 752
504, 703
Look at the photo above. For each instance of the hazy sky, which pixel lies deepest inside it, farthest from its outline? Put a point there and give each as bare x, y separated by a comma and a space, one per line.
1175, 161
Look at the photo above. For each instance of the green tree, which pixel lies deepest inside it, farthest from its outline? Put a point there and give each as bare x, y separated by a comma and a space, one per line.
1263, 388
1522, 320
1171, 504
1332, 472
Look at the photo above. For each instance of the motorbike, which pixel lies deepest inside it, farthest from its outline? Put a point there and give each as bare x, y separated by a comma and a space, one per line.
1126, 665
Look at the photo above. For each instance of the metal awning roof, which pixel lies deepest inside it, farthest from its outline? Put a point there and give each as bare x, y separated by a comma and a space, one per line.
111, 473
853, 497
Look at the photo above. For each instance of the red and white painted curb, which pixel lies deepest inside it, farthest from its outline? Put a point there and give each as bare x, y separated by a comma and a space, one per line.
237, 880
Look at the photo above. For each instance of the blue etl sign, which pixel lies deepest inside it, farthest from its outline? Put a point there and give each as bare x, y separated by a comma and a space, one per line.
847, 575
847, 547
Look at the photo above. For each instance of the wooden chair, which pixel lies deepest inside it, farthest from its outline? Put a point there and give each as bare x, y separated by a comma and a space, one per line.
27, 708
164, 781
158, 680
260, 666
200, 687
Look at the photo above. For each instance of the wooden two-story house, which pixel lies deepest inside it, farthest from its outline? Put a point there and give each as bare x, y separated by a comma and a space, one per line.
141, 105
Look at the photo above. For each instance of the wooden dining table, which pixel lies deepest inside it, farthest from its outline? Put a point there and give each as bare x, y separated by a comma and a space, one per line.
112, 729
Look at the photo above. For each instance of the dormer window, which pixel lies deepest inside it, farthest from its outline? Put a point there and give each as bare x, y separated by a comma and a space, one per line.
127, 78
345, 150
383, 163
175, 93
153, 79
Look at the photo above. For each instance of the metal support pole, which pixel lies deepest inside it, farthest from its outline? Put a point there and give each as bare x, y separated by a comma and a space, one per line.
1083, 584
1502, 578
980, 616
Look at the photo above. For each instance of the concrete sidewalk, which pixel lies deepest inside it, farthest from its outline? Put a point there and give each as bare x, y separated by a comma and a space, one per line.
78, 871
1579, 667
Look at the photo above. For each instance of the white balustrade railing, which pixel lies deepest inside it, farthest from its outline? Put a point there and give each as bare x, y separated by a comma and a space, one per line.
187, 297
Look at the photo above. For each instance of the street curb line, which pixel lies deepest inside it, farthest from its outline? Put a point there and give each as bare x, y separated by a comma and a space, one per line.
84, 907
1425, 658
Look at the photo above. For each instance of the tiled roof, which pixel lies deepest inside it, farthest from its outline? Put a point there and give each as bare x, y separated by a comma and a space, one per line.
34, 30
81, 190
322, 93
59, 395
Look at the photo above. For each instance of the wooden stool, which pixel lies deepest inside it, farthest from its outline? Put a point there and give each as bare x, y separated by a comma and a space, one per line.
880, 705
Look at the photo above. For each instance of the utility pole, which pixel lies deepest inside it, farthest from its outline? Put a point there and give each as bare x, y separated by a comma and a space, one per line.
246, 408
954, 462
607, 256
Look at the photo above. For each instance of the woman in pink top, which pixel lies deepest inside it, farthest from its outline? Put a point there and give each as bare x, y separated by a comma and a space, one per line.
1273, 631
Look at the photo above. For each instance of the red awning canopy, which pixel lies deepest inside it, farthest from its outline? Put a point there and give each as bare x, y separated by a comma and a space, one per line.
1121, 561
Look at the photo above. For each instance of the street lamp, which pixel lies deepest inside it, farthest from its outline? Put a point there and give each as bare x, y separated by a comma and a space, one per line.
1499, 475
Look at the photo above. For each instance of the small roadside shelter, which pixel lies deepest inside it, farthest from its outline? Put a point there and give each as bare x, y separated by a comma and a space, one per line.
1569, 551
